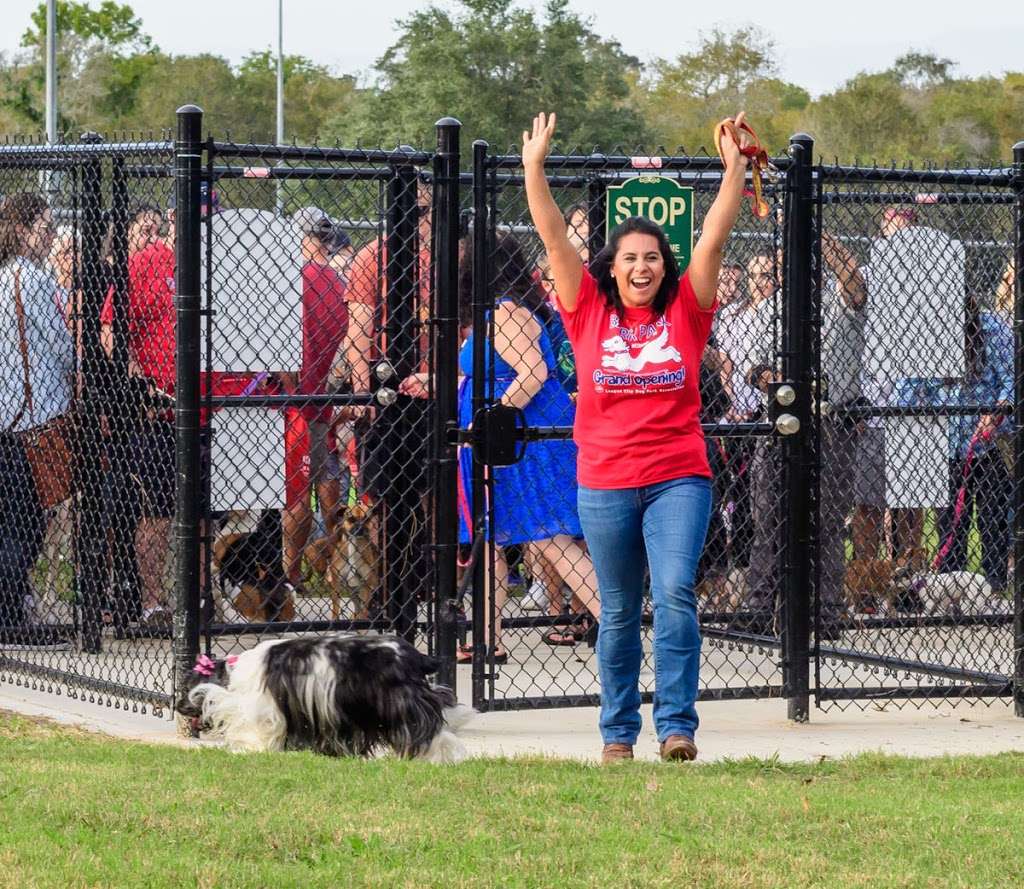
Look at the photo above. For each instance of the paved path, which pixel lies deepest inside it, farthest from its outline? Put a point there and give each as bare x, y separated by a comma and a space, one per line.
730, 729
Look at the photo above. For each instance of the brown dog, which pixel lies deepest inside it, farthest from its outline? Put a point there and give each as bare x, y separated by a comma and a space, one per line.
355, 562
351, 566
723, 593
869, 583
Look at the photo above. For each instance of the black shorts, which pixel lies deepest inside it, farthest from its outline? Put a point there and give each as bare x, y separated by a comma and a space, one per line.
151, 451
140, 481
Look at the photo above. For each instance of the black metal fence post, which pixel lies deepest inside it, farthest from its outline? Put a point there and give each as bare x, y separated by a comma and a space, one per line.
90, 541
797, 368
1018, 434
401, 499
597, 189
446, 365
188, 504
481, 302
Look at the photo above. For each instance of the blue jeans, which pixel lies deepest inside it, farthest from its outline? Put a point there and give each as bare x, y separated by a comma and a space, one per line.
667, 522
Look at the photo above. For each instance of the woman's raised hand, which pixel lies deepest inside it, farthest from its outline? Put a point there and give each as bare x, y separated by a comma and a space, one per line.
732, 151
537, 143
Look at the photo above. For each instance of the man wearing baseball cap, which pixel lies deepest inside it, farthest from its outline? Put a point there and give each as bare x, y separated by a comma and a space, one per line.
310, 455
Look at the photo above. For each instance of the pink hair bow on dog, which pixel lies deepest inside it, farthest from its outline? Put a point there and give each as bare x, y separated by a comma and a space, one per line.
205, 665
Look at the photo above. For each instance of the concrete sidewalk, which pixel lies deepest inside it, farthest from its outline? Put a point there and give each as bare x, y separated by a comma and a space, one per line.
730, 729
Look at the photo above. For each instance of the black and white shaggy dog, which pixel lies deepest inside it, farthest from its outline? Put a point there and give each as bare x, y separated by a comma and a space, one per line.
340, 695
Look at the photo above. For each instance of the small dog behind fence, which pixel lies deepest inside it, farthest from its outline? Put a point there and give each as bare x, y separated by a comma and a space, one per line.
249, 581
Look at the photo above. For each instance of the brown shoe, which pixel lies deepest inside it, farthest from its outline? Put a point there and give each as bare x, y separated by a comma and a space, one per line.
616, 753
678, 747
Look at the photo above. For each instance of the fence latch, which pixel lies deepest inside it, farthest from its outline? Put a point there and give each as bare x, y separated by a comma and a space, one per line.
497, 435
789, 405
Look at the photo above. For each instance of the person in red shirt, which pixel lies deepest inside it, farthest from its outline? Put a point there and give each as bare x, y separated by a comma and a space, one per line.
151, 334
638, 330
150, 458
310, 454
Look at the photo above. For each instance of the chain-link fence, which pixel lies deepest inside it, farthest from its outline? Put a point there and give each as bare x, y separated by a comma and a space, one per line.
917, 449
318, 346
279, 366
540, 579
76, 565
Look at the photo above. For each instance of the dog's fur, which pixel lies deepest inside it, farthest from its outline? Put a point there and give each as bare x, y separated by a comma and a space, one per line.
339, 695
951, 593
250, 576
724, 593
869, 583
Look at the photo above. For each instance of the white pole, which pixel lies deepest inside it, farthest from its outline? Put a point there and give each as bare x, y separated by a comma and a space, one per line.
280, 92
51, 71
280, 72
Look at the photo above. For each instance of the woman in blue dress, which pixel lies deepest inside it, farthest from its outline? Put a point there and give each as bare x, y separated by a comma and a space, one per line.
534, 499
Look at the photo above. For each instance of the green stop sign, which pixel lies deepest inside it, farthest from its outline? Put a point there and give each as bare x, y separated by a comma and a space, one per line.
664, 201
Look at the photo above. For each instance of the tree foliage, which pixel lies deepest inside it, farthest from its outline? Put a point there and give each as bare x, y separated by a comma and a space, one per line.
495, 63
724, 73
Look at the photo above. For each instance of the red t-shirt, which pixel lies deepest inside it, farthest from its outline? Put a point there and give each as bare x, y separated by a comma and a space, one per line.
324, 325
151, 313
152, 318
638, 412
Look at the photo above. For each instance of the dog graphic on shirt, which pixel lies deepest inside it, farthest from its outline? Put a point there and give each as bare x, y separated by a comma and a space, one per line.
654, 351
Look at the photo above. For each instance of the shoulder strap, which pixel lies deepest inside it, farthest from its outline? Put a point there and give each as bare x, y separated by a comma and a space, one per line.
19, 311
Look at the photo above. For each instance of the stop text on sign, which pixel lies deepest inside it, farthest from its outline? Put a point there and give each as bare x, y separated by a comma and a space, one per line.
661, 211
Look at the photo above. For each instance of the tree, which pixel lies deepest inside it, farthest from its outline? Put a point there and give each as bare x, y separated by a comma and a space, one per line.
495, 66
723, 62
726, 72
102, 57
311, 92
921, 70
868, 118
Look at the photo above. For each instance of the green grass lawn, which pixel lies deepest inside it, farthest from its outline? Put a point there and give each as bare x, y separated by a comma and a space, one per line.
82, 810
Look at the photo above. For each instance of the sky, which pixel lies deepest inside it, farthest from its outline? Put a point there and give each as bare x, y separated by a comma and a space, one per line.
818, 47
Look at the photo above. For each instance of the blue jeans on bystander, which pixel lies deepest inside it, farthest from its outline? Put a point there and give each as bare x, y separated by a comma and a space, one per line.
666, 521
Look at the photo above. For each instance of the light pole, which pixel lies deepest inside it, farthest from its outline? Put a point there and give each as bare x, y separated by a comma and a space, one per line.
280, 72
49, 180
279, 137
51, 71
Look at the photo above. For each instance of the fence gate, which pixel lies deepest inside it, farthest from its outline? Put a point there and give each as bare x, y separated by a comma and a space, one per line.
318, 520
862, 511
530, 596
932, 437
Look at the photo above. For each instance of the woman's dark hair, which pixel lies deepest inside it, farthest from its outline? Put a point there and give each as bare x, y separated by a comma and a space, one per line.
512, 277
974, 341
573, 209
141, 209
601, 265
21, 209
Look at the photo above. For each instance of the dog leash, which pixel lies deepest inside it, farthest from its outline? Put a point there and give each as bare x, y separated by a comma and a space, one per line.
961, 494
759, 163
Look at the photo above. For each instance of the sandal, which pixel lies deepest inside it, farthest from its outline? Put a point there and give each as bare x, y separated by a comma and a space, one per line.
584, 631
464, 655
562, 636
